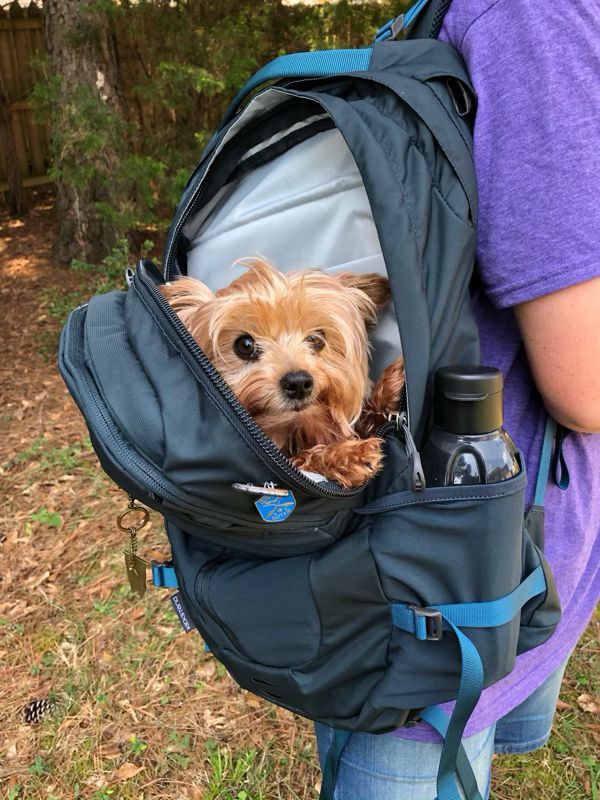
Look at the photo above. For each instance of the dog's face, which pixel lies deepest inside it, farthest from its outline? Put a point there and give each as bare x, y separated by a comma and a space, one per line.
293, 347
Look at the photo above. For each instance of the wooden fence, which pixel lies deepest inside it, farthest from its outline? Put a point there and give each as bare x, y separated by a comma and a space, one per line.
24, 143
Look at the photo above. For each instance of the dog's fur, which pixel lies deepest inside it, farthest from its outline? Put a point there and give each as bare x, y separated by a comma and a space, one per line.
312, 325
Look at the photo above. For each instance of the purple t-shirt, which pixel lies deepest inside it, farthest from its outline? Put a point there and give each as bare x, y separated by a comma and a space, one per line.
535, 72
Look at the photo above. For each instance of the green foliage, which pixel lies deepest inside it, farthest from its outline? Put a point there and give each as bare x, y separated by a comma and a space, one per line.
179, 65
50, 518
110, 274
107, 276
136, 746
38, 767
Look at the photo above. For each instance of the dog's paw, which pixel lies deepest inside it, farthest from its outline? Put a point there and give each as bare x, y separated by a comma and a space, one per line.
384, 399
364, 460
350, 463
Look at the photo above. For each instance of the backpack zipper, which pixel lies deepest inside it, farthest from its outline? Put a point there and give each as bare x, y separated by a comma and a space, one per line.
399, 421
272, 454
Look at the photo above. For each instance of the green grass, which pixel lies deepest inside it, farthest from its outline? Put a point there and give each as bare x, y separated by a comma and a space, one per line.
47, 457
567, 768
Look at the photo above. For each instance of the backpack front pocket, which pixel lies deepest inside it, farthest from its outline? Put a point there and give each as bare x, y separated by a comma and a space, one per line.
310, 632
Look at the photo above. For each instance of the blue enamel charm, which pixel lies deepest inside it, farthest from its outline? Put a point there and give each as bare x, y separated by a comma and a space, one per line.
275, 509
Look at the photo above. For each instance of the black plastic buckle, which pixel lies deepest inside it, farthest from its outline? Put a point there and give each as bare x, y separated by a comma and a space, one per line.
433, 622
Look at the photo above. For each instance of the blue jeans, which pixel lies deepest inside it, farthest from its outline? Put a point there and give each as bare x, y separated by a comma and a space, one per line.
385, 767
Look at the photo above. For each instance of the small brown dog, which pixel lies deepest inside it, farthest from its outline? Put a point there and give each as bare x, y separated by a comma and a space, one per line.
294, 348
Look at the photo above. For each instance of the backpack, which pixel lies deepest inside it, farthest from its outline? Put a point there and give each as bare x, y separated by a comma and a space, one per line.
361, 608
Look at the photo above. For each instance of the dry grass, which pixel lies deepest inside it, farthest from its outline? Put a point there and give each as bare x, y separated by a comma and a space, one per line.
141, 713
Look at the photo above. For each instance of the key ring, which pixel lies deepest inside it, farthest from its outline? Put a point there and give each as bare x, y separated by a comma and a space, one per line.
145, 516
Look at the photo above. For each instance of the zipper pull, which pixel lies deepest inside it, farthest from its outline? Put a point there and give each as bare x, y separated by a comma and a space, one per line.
417, 481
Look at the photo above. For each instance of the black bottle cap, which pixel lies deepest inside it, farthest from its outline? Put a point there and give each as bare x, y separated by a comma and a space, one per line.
468, 400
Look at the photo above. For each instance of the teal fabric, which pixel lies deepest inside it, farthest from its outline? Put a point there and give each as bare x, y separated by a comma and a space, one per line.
331, 763
545, 462
314, 64
392, 28
488, 614
163, 576
440, 721
471, 615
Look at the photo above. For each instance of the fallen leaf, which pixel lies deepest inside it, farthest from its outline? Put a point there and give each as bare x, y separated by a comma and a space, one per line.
252, 701
562, 706
128, 770
213, 720
588, 703
110, 753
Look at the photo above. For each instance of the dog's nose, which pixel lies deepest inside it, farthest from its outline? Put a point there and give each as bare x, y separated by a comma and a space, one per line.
297, 385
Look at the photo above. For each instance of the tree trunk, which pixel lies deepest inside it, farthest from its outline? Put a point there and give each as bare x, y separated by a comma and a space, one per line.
81, 51
15, 181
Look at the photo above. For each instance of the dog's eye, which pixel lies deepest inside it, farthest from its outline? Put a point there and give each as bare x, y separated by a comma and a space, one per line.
246, 348
316, 340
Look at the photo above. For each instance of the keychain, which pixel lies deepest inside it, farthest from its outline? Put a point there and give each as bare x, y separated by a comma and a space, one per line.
136, 566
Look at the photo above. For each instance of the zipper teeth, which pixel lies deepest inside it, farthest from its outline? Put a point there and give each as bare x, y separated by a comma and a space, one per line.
274, 453
130, 459
283, 464
404, 408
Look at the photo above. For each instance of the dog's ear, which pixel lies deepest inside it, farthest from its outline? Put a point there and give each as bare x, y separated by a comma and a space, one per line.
188, 297
186, 293
375, 286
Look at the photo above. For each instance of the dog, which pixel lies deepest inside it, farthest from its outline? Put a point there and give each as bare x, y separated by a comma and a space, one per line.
294, 349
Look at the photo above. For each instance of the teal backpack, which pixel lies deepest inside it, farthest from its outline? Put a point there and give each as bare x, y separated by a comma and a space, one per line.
366, 608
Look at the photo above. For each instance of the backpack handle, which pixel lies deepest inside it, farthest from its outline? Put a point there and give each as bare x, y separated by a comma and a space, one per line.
314, 64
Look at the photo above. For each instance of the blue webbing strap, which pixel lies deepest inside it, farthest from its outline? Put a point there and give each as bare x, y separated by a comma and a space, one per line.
315, 64
487, 614
163, 575
332, 760
545, 462
439, 720
393, 27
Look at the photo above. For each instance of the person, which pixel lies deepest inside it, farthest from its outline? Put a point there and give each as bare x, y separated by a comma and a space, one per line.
535, 72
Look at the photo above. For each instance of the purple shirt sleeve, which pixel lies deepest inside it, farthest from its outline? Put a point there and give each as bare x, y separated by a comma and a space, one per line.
537, 141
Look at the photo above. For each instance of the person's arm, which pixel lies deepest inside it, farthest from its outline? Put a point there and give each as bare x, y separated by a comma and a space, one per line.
561, 332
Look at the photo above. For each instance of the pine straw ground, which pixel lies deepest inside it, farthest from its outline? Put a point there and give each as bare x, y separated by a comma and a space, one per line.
140, 712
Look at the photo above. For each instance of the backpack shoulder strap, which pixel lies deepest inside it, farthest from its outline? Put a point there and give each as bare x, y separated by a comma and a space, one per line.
423, 20
428, 23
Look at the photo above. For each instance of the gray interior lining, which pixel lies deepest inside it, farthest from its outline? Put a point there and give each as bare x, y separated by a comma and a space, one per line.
305, 209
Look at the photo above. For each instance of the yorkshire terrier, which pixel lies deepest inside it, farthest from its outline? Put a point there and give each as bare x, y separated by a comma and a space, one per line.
294, 348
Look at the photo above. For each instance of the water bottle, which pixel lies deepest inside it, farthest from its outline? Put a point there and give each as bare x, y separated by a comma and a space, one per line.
468, 444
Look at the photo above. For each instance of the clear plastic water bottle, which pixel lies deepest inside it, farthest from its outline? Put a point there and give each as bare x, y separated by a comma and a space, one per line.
468, 444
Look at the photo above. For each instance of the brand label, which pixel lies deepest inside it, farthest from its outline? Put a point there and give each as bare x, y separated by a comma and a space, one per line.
186, 623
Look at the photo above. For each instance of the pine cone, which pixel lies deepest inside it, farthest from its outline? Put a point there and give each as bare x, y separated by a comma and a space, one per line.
36, 709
